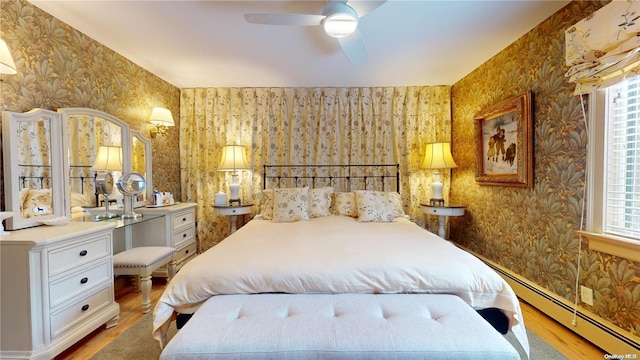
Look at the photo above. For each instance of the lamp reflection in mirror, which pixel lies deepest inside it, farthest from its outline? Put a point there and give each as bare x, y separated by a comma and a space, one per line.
162, 119
108, 158
234, 158
438, 156
7, 66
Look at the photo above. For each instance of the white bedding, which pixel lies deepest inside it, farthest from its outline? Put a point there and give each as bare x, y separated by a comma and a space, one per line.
336, 254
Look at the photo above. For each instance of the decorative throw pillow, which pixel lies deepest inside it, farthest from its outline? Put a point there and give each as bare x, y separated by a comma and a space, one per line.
266, 204
395, 204
320, 202
37, 203
373, 206
344, 203
290, 204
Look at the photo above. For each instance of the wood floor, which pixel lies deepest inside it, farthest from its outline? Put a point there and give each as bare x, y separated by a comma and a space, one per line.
564, 340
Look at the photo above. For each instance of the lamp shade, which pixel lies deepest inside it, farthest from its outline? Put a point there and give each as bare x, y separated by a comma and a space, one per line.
438, 156
234, 157
7, 66
161, 116
108, 158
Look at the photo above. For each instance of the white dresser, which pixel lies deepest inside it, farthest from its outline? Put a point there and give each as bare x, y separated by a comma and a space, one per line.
56, 286
178, 230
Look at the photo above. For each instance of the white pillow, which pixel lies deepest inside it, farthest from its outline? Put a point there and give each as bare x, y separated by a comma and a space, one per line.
290, 204
395, 204
344, 203
373, 206
320, 202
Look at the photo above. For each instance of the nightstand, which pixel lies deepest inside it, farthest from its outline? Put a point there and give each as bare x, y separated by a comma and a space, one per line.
442, 212
233, 211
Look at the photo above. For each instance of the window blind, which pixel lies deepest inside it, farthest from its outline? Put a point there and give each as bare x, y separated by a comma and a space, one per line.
622, 165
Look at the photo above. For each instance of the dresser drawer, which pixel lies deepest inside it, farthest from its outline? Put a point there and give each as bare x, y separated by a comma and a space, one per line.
79, 282
184, 236
183, 219
78, 254
185, 252
80, 310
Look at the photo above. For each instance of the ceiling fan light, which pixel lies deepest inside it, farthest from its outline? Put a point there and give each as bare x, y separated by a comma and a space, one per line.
340, 25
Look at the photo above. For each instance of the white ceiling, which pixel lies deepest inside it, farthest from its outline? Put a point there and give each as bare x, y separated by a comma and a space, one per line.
209, 44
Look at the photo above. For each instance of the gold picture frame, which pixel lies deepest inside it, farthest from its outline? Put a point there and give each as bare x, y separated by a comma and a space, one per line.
504, 137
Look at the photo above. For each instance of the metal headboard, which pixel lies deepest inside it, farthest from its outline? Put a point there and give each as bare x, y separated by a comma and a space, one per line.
378, 176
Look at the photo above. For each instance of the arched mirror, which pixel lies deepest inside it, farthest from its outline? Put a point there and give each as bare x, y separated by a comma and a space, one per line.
96, 143
33, 167
141, 163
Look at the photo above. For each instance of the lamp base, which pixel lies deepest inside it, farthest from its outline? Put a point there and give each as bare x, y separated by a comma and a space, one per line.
436, 202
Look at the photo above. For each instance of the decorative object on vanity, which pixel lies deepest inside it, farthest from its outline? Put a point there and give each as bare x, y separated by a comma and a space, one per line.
161, 198
438, 156
131, 185
442, 212
339, 19
7, 66
504, 143
4, 215
234, 158
34, 177
233, 212
162, 119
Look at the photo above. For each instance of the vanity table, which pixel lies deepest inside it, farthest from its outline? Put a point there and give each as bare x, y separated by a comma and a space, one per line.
57, 287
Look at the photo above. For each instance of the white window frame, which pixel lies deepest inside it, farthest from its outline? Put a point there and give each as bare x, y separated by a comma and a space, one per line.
598, 240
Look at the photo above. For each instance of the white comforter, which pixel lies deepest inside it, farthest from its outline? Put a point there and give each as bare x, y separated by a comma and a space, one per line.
336, 254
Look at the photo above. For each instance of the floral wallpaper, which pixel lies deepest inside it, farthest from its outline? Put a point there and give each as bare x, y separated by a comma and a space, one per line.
59, 66
531, 231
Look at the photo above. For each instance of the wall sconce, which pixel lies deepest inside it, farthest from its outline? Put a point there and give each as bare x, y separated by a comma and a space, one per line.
234, 158
161, 117
438, 156
7, 66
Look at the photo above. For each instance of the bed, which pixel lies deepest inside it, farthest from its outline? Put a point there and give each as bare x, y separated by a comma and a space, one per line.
322, 246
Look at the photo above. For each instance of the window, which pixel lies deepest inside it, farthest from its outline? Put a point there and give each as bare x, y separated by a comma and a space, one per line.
614, 165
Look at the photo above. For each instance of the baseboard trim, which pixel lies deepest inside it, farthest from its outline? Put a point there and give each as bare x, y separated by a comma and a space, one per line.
598, 331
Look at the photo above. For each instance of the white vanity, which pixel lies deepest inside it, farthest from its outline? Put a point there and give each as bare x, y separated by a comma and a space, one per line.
57, 282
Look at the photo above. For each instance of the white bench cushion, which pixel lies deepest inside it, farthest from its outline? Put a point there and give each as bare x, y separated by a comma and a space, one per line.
142, 256
337, 326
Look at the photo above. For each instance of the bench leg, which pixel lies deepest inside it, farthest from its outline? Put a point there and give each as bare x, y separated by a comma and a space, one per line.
171, 268
145, 287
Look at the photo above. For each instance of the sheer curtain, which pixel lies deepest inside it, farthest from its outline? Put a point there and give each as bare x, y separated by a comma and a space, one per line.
307, 126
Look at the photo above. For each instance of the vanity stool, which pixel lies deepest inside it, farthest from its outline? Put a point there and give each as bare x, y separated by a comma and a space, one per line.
141, 262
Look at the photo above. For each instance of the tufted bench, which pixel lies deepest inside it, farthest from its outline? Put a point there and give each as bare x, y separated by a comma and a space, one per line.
142, 262
337, 326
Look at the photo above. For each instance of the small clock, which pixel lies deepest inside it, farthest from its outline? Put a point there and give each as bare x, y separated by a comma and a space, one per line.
104, 183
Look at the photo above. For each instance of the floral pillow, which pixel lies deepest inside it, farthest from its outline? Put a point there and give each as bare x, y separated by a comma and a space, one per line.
344, 203
373, 206
266, 204
290, 204
37, 203
395, 204
320, 202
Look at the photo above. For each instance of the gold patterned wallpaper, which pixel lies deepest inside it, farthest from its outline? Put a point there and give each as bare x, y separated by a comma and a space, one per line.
59, 66
531, 231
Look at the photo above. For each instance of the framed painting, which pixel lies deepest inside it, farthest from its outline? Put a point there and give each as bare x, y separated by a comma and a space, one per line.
504, 137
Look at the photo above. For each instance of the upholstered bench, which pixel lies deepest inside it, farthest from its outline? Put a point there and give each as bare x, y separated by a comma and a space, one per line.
142, 262
337, 326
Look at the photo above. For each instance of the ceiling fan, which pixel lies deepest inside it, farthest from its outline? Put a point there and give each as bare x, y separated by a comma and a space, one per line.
339, 19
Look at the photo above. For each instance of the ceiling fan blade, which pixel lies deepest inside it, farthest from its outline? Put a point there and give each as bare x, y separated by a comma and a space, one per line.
284, 19
363, 7
354, 48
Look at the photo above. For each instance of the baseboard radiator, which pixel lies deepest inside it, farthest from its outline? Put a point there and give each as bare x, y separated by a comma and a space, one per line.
610, 338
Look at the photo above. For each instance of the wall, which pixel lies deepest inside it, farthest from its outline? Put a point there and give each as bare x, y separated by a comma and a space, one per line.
60, 67
531, 231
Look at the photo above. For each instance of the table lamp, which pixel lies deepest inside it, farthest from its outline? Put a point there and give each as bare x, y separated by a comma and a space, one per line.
234, 158
438, 156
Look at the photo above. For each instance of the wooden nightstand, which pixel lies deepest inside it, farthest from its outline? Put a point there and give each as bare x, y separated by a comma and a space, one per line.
442, 212
233, 211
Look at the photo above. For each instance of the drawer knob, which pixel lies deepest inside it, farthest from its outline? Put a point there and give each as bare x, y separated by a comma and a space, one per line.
84, 280
186, 251
184, 235
184, 219
85, 307
83, 253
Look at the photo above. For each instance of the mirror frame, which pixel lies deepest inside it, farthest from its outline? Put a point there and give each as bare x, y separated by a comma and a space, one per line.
135, 134
59, 187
